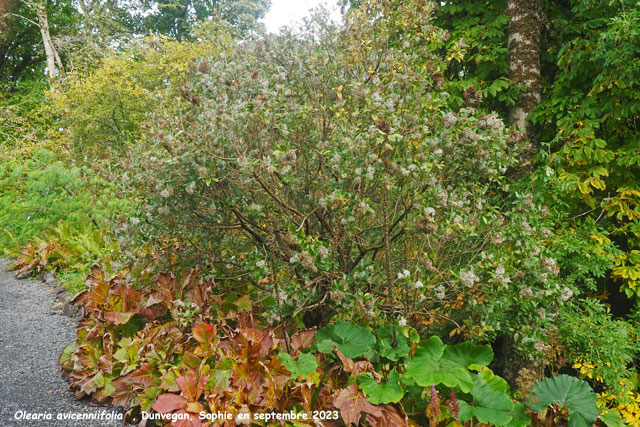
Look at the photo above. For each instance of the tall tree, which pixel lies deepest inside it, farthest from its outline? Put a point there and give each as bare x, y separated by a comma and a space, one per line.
54, 66
523, 44
502, 60
23, 53
176, 18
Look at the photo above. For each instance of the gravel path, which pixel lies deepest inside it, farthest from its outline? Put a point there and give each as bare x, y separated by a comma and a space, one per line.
33, 333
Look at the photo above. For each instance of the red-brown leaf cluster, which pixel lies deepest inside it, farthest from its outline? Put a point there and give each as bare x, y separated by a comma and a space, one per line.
143, 351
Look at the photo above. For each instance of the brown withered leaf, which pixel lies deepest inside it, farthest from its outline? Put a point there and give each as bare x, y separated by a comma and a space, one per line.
190, 281
153, 311
356, 368
96, 276
118, 318
191, 361
98, 295
192, 386
79, 298
169, 402
325, 399
106, 361
392, 417
245, 319
165, 285
303, 339
352, 404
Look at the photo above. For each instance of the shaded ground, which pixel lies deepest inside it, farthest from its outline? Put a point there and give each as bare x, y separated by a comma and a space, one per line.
33, 332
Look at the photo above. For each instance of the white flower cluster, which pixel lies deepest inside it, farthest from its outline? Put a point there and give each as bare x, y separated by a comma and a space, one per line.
549, 265
491, 122
404, 274
166, 192
566, 294
469, 278
500, 277
370, 172
449, 119
526, 292
323, 252
242, 162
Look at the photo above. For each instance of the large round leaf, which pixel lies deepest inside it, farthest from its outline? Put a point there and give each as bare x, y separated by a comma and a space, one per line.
352, 340
468, 354
520, 416
489, 405
612, 418
428, 367
567, 392
389, 392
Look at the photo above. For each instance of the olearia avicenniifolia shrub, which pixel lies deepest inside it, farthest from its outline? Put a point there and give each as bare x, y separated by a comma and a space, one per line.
326, 169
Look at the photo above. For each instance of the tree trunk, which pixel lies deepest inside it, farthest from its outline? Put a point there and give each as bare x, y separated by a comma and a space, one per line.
525, 26
54, 64
523, 43
4, 16
5, 5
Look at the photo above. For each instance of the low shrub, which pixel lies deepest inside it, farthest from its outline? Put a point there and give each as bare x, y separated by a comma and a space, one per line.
182, 348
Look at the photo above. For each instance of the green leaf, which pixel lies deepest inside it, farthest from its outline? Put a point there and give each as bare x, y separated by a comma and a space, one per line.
612, 419
244, 303
352, 340
492, 380
567, 392
467, 354
301, 368
218, 380
489, 406
428, 367
520, 416
67, 353
387, 349
389, 392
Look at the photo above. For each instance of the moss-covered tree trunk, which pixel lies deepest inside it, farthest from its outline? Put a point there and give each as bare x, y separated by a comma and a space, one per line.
525, 27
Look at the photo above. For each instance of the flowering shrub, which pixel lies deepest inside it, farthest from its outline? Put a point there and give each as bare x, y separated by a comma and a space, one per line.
318, 167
